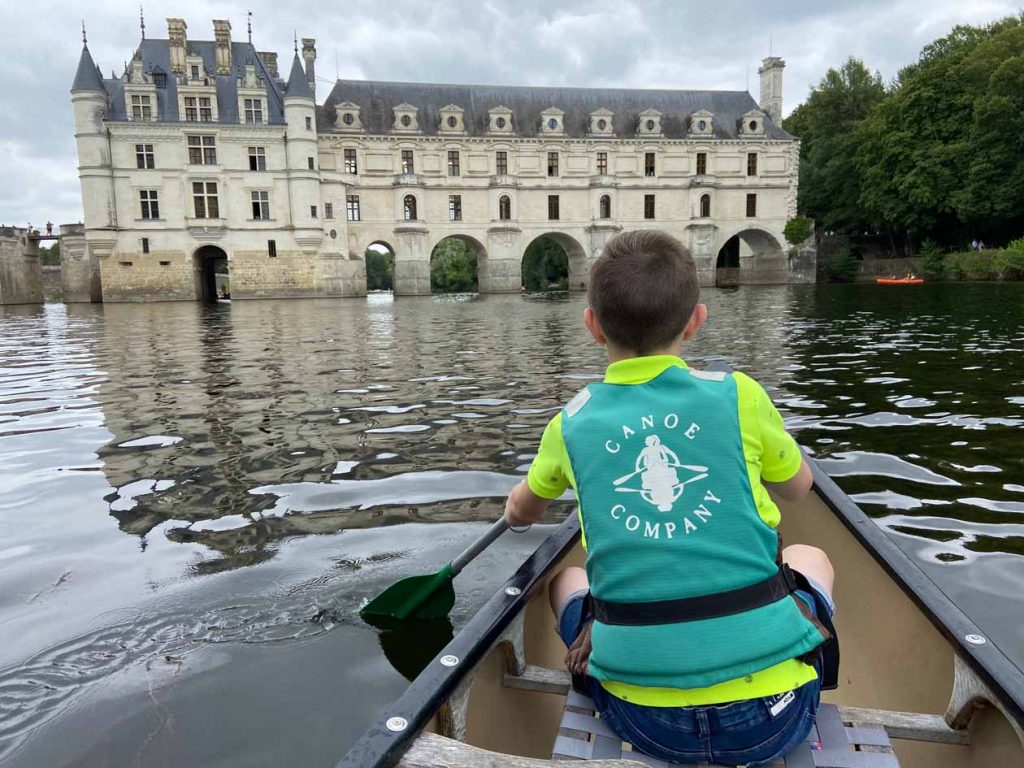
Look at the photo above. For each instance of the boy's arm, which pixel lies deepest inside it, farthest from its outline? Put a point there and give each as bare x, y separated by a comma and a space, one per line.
784, 472
546, 480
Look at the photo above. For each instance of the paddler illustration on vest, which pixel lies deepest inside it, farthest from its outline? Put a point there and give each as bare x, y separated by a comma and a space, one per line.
658, 465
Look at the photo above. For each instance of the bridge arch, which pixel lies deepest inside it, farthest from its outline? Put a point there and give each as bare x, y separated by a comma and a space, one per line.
576, 257
749, 256
477, 252
379, 261
212, 273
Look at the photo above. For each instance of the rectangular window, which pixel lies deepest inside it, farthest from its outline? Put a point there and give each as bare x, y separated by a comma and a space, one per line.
501, 163
648, 206
408, 166
202, 150
312, 211
453, 162
191, 110
257, 159
261, 205
205, 110
328, 210
602, 163
254, 111
648, 164
149, 203
553, 207
751, 205
752, 164
145, 245
552, 163
350, 161
141, 107
272, 248
309, 123
454, 207
352, 207
144, 156
702, 163
311, 163
204, 198
195, 72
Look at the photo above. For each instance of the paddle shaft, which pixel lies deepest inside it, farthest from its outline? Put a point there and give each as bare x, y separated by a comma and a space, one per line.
478, 546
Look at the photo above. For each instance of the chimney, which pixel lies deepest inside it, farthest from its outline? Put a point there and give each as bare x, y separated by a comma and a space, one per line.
222, 37
176, 29
270, 62
309, 56
771, 87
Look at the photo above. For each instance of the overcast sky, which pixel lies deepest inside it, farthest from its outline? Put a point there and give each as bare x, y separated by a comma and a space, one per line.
632, 43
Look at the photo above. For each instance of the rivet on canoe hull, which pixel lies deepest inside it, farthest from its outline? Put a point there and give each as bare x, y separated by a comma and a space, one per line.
975, 639
449, 661
396, 724
513, 591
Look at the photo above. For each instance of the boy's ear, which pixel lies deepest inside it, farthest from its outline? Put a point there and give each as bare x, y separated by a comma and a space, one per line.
590, 320
697, 319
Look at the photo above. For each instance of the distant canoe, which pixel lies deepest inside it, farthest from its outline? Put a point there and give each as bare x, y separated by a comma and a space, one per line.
899, 280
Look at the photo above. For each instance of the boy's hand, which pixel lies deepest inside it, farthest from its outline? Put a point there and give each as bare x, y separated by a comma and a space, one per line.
524, 507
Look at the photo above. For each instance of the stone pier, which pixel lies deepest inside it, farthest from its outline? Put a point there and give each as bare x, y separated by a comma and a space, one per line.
20, 275
79, 267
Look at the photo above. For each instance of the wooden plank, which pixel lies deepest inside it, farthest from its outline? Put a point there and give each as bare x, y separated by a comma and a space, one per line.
431, 751
899, 725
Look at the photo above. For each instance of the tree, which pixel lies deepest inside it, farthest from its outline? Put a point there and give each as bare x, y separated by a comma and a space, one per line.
827, 127
797, 230
545, 266
453, 267
378, 271
50, 256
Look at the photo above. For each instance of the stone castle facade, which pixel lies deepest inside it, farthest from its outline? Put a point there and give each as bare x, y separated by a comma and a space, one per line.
201, 158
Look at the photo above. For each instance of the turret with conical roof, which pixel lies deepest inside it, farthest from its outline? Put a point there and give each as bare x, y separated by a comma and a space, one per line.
302, 153
298, 85
89, 100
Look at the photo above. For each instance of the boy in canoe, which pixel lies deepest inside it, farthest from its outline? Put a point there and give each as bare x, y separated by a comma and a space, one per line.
697, 635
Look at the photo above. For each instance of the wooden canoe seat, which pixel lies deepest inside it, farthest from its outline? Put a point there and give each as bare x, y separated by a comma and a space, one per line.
582, 735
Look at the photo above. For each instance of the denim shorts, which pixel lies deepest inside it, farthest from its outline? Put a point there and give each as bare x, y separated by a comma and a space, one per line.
747, 732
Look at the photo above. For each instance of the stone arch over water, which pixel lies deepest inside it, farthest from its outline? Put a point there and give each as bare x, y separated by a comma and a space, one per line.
750, 256
576, 257
212, 272
379, 260
477, 252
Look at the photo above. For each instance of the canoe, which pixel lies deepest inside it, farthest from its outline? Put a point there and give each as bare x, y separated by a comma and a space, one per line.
899, 280
913, 663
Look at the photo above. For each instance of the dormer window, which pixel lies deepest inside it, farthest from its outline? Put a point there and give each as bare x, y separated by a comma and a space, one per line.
601, 122
159, 79
142, 108
552, 122
702, 123
405, 119
195, 72
752, 123
347, 117
254, 111
452, 119
500, 120
650, 123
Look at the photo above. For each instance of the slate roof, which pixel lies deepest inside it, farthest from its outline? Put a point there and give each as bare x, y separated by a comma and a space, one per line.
377, 100
88, 77
156, 56
298, 85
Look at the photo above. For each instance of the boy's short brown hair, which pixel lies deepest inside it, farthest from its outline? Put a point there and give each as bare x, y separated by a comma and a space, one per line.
643, 289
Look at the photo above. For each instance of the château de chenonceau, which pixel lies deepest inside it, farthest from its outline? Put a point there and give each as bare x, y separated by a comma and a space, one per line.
202, 157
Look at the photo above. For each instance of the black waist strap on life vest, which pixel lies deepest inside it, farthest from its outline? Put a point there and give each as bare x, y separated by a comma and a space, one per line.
712, 606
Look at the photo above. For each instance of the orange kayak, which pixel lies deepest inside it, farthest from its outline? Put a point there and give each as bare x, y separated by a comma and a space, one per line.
899, 280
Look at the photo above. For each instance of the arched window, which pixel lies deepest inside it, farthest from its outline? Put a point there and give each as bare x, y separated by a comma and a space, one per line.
705, 206
606, 206
504, 208
410, 207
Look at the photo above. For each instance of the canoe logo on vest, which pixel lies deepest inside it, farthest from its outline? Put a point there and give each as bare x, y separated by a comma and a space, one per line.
660, 478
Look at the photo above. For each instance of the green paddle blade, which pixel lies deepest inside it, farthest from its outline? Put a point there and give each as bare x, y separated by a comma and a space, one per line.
416, 597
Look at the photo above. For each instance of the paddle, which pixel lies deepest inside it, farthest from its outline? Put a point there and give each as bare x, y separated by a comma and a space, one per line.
427, 597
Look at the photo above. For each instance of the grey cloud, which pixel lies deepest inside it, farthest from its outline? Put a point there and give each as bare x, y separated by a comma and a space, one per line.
635, 43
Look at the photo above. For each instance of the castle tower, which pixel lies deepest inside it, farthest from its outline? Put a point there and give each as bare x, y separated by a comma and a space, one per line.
89, 101
302, 154
771, 87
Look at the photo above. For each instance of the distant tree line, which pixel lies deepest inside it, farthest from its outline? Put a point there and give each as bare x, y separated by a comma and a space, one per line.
936, 155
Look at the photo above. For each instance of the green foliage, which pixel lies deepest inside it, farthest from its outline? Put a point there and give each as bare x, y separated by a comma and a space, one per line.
942, 152
545, 266
378, 271
973, 265
1011, 260
50, 256
933, 260
453, 267
798, 230
827, 127
844, 268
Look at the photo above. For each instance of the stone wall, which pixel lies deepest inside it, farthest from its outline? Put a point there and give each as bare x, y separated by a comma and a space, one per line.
53, 286
20, 275
79, 267
874, 258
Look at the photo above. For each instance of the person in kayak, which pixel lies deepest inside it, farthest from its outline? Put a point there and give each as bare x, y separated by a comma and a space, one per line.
697, 635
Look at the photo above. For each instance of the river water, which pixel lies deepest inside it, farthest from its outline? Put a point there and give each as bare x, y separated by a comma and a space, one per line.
194, 500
